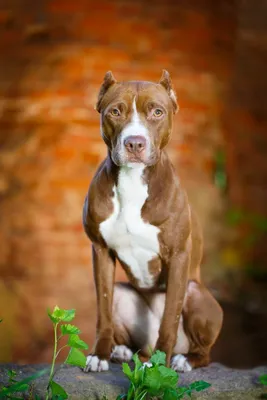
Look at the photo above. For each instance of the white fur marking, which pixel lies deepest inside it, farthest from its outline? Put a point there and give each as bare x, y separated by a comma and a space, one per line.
180, 364
135, 241
135, 128
182, 344
94, 364
121, 353
135, 117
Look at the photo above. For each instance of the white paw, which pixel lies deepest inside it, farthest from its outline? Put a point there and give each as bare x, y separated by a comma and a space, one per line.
121, 353
180, 364
94, 364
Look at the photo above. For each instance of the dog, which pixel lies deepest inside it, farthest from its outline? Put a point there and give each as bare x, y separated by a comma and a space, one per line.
136, 212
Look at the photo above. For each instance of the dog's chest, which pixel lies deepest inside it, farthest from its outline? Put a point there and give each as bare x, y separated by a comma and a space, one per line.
135, 241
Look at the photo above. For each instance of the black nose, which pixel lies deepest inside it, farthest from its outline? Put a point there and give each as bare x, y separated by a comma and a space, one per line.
135, 144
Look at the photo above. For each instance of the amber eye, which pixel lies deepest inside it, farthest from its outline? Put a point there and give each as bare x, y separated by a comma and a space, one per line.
115, 112
157, 113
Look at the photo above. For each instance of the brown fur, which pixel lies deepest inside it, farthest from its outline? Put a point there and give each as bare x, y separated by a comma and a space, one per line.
167, 208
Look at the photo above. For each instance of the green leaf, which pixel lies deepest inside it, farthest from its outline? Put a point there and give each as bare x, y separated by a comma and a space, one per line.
199, 385
11, 375
75, 341
138, 363
141, 395
68, 315
121, 396
53, 319
152, 380
263, 379
127, 371
23, 387
138, 372
58, 390
170, 394
59, 315
76, 357
158, 358
17, 386
131, 392
181, 391
68, 329
169, 378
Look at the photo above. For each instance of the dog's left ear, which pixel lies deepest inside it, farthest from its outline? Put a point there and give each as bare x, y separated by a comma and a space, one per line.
166, 82
109, 80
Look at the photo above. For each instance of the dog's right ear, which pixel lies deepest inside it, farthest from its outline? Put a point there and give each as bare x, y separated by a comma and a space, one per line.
166, 82
109, 80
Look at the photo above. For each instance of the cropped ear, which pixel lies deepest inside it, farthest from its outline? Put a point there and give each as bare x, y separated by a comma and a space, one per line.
166, 82
109, 80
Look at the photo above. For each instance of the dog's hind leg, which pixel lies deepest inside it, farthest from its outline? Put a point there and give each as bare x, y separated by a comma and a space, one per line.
202, 317
137, 318
135, 325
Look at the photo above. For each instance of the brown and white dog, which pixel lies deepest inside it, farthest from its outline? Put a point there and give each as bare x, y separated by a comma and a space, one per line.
137, 213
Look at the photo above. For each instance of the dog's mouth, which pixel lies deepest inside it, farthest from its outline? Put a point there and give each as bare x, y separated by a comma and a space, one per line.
122, 159
135, 159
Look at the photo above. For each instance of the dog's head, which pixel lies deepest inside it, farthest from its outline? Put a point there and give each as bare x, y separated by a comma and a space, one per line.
136, 118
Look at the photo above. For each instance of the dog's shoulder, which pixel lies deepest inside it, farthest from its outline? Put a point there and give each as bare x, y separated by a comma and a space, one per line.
97, 204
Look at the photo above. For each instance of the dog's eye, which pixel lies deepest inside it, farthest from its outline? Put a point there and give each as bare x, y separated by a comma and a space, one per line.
157, 113
115, 112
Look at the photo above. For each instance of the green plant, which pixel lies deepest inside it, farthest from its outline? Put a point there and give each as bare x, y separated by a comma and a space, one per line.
11, 376
75, 355
13, 387
263, 381
156, 380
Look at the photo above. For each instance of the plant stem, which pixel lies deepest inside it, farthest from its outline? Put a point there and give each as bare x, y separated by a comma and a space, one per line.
53, 361
63, 347
142, 395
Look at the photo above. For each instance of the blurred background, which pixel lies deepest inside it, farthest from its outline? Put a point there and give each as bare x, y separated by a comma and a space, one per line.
54, 54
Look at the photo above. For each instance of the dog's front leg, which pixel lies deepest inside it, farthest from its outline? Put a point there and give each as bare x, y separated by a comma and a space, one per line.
104, 270
176, 288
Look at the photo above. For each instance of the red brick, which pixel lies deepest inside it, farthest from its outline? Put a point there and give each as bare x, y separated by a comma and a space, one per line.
65, 6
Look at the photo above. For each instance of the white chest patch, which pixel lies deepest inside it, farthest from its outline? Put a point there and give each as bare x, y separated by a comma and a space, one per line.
135, 241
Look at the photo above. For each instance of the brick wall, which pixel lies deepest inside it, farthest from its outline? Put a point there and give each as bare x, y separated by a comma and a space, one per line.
245, 128
55, 55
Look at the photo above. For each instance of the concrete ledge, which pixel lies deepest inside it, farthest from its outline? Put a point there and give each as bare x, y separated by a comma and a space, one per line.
226, 383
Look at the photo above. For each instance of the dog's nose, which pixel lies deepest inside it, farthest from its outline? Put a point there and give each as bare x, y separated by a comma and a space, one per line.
135, 144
